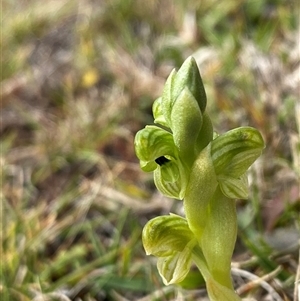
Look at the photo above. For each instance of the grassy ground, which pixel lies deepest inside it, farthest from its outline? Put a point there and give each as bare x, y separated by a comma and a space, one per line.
78, 81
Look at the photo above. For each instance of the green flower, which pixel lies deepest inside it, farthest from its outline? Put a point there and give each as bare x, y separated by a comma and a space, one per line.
232, 154
222, 163
170, 239
152, 143
157, 152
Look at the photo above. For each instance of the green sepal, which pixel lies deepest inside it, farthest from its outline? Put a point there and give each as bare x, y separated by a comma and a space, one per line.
166, 234
234, 152
240, 163
151, 143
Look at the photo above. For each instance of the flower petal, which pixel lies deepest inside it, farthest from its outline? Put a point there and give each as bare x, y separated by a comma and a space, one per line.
170, 172
174, 268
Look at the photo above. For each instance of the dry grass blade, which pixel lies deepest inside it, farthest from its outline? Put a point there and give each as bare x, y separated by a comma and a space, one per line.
256, 281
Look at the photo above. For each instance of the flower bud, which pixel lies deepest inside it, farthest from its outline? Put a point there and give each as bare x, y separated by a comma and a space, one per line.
189, 76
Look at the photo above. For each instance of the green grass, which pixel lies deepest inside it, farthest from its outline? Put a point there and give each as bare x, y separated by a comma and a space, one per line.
78, 81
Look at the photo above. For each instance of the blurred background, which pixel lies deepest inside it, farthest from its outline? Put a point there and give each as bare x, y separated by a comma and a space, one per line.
78, 81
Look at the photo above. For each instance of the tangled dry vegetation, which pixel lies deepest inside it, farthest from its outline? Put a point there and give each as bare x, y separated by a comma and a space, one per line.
78, 80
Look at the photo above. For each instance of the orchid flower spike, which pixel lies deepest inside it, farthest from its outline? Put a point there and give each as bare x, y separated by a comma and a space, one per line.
208, 172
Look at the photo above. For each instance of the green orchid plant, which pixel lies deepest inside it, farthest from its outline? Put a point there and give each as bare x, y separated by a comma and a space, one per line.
207, 171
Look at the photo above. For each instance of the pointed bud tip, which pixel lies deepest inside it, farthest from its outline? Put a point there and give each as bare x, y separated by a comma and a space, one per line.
189, 75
